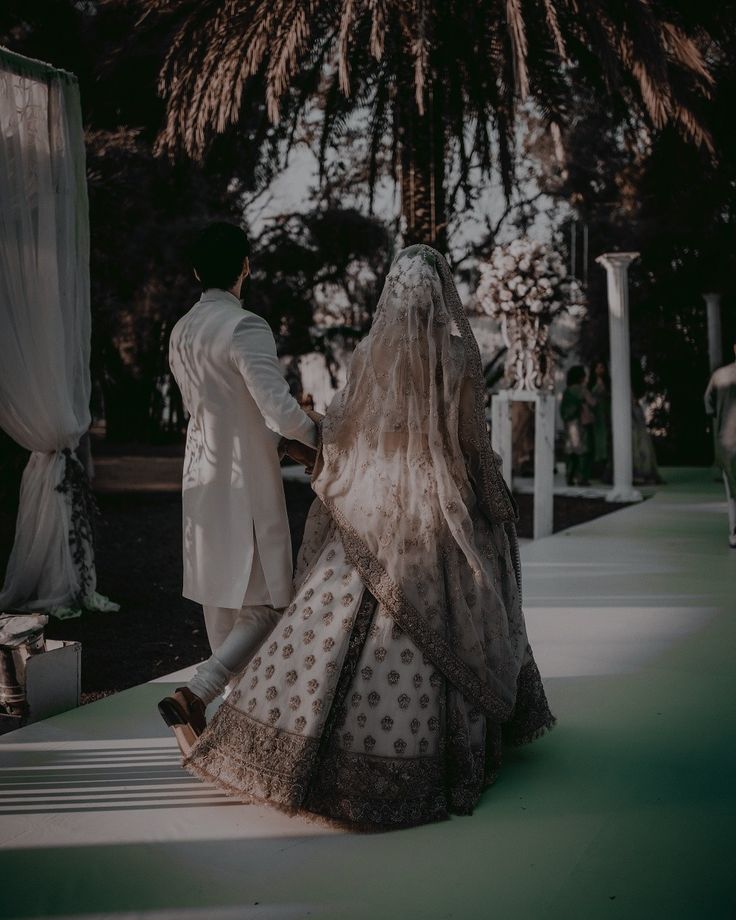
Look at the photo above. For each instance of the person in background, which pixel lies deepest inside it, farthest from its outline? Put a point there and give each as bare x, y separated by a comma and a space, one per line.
720, 404
644, 458
576, 410
601, 430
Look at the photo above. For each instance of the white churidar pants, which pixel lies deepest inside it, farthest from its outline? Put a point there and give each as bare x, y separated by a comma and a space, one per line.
234, 636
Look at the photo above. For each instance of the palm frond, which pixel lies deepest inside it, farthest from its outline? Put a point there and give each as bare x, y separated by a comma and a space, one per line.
553, 24
343, 46
289, 42
379, 25
517, 31
685, 51
475, 60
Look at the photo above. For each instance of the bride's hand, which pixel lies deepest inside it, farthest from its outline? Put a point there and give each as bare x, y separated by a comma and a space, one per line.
314, 415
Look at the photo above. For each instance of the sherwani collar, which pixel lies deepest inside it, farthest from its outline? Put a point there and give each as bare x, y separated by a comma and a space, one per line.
212, 294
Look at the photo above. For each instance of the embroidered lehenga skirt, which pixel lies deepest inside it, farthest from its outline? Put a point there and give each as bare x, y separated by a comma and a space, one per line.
341, 715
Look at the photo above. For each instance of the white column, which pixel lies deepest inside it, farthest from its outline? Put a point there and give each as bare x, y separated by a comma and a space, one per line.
544, 464
715, 337
617, 272
501, 431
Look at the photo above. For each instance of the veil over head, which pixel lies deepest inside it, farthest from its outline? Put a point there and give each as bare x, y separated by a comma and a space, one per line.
407, 474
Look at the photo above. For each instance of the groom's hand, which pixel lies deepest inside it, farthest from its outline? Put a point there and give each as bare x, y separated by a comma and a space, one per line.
300, 453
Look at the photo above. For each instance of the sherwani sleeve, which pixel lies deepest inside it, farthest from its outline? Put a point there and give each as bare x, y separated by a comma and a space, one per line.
253, 352
710, 399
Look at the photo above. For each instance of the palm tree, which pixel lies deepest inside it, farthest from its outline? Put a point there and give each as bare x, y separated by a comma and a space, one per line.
442, 79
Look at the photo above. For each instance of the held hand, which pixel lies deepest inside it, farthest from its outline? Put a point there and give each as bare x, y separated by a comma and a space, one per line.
300, 453
314, 415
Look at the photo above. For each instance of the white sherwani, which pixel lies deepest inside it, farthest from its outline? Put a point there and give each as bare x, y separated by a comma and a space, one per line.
224, 360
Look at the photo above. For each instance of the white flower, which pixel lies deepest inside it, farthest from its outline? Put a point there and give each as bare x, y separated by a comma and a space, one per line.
526, 276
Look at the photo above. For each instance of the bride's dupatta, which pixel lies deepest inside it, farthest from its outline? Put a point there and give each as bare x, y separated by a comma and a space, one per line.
407, 474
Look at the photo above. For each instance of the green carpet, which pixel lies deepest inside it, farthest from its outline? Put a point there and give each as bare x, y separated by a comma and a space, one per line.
625, 811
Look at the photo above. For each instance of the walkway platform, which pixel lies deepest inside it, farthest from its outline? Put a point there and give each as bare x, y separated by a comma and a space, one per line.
625, 811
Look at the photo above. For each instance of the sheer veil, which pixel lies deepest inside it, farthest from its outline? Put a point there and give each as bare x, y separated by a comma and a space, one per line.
407, 475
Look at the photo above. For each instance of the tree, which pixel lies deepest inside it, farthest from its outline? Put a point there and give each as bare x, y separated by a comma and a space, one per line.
444, 79
143, 209
675, 204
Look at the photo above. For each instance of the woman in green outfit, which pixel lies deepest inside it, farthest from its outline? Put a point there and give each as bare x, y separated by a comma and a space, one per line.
576, 411
601, 430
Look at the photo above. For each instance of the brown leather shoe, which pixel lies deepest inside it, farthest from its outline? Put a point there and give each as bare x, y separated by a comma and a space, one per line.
184, 713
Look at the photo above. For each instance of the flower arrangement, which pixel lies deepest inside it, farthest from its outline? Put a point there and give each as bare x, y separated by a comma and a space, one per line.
524, 274
524, 285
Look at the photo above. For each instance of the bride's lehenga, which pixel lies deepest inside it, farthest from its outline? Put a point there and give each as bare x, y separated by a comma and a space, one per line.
383, 696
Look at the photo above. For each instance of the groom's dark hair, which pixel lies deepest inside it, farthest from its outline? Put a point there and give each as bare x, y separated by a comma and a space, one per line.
218, 253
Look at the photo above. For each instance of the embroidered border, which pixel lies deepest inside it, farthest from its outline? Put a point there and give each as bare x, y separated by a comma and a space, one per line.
250, 759
317, 779
390, 596
531, 717
465, 766
379, 791
361, 624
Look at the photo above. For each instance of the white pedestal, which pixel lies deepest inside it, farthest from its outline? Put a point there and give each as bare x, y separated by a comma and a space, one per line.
617, 272
544, 449
501, 431
52, 678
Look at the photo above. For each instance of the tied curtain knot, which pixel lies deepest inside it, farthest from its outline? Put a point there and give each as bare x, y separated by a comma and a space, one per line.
76, 488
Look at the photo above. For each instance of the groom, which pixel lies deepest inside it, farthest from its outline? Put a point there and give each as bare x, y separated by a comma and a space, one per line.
237, 548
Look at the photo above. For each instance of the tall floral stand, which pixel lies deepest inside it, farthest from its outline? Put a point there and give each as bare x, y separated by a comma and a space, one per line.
544, 448
523, 286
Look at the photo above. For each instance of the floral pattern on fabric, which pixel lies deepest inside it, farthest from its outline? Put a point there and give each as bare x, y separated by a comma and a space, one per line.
305, 654
386, 707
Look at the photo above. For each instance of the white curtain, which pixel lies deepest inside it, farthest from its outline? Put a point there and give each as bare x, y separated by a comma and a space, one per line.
45, 330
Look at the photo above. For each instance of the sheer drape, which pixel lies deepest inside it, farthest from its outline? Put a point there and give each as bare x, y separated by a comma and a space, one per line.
45, 329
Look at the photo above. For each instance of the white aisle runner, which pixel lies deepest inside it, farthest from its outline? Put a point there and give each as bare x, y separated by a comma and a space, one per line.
632, 621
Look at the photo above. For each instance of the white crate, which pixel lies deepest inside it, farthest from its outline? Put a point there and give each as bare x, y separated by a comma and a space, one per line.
52, 679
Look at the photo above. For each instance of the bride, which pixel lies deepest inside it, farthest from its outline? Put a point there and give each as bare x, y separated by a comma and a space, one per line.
384, 694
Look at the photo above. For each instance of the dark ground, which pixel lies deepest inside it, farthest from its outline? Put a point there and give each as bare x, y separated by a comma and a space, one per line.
156, 631
139, 567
